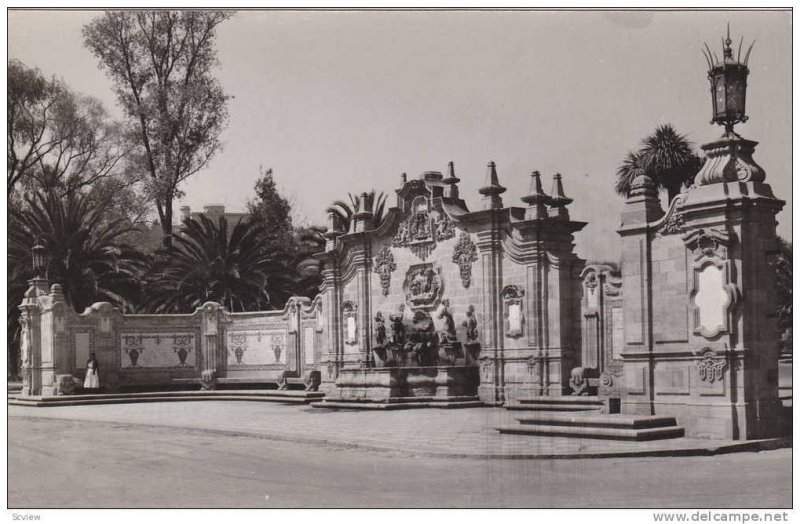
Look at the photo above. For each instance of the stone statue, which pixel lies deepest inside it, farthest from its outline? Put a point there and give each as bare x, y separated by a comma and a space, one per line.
449, 333
380, 329
398, 335
471, 323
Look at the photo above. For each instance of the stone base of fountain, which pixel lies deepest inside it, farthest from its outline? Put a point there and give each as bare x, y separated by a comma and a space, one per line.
387, 387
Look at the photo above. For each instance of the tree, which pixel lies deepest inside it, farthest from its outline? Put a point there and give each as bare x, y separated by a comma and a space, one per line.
56, 138
372, 202
272, 210
206, 264
161, 65
666, 157
783, 271
85, 251
310, 241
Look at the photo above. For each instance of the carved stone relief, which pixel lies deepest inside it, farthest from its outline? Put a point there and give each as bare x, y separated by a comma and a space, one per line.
464, 254
423, 229
422, 286
711, 368
384, 266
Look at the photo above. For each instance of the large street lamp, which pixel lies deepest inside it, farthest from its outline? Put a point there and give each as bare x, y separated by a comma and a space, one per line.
728, 79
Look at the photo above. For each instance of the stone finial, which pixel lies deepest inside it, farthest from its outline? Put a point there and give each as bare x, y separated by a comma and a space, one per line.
57, 293
643, 185
642, 205
537, 199
451, 181
492, 190
362, 218
404, 178
558, 199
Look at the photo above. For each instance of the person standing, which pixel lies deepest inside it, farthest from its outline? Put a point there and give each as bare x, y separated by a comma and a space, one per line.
92, 380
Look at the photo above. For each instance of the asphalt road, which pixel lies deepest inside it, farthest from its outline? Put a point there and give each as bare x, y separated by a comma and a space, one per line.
67, 464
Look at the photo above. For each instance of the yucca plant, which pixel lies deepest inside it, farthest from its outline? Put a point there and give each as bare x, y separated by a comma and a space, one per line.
666, 156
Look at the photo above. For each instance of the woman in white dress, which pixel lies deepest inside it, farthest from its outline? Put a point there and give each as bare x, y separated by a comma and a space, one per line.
92, 380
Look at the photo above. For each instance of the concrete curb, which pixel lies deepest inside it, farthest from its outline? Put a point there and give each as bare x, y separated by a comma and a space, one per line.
712, 449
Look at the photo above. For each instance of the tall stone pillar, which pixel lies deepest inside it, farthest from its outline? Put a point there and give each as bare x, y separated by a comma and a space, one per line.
491, 389
729, 233
642, 207
30, 344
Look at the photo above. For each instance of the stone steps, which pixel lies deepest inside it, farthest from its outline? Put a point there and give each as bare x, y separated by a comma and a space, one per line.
623, 421
595, 432
298, 397
567, 403
401, 403
597, 426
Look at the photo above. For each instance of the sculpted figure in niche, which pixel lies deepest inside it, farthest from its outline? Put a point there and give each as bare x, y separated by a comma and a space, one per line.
380, 329
449, 332
471, 323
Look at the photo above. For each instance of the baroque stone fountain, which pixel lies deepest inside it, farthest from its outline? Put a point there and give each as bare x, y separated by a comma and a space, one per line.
414, 364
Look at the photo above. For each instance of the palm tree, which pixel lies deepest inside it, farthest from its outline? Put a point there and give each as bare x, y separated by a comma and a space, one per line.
85, 254
631, 168
666, 157
310, 241
372, 202
207, 263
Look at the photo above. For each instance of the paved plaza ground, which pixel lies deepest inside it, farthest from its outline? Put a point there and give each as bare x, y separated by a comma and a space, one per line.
253, 454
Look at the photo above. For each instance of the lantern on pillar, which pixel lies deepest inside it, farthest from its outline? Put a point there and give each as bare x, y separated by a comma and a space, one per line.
728, 78
39, 258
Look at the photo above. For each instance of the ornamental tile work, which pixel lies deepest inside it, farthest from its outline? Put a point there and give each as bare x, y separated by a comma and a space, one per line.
255, 347
158, 349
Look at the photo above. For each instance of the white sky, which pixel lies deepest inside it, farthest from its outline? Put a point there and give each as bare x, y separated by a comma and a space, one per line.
346, 101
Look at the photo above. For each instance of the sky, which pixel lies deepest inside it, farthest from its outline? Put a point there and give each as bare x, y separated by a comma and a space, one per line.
346, 101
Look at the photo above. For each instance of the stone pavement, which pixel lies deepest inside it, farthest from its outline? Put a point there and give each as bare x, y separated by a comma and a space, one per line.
466, 433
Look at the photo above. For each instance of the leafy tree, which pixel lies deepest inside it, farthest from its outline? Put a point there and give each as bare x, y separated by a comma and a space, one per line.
666, 157
271, 209
56, 138
206, 264
85, 251
161, 65
372, 202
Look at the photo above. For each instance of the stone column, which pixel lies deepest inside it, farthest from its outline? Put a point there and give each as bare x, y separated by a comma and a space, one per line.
488, 244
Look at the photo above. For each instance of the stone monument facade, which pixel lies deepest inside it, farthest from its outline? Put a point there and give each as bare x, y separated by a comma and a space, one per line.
435, 285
